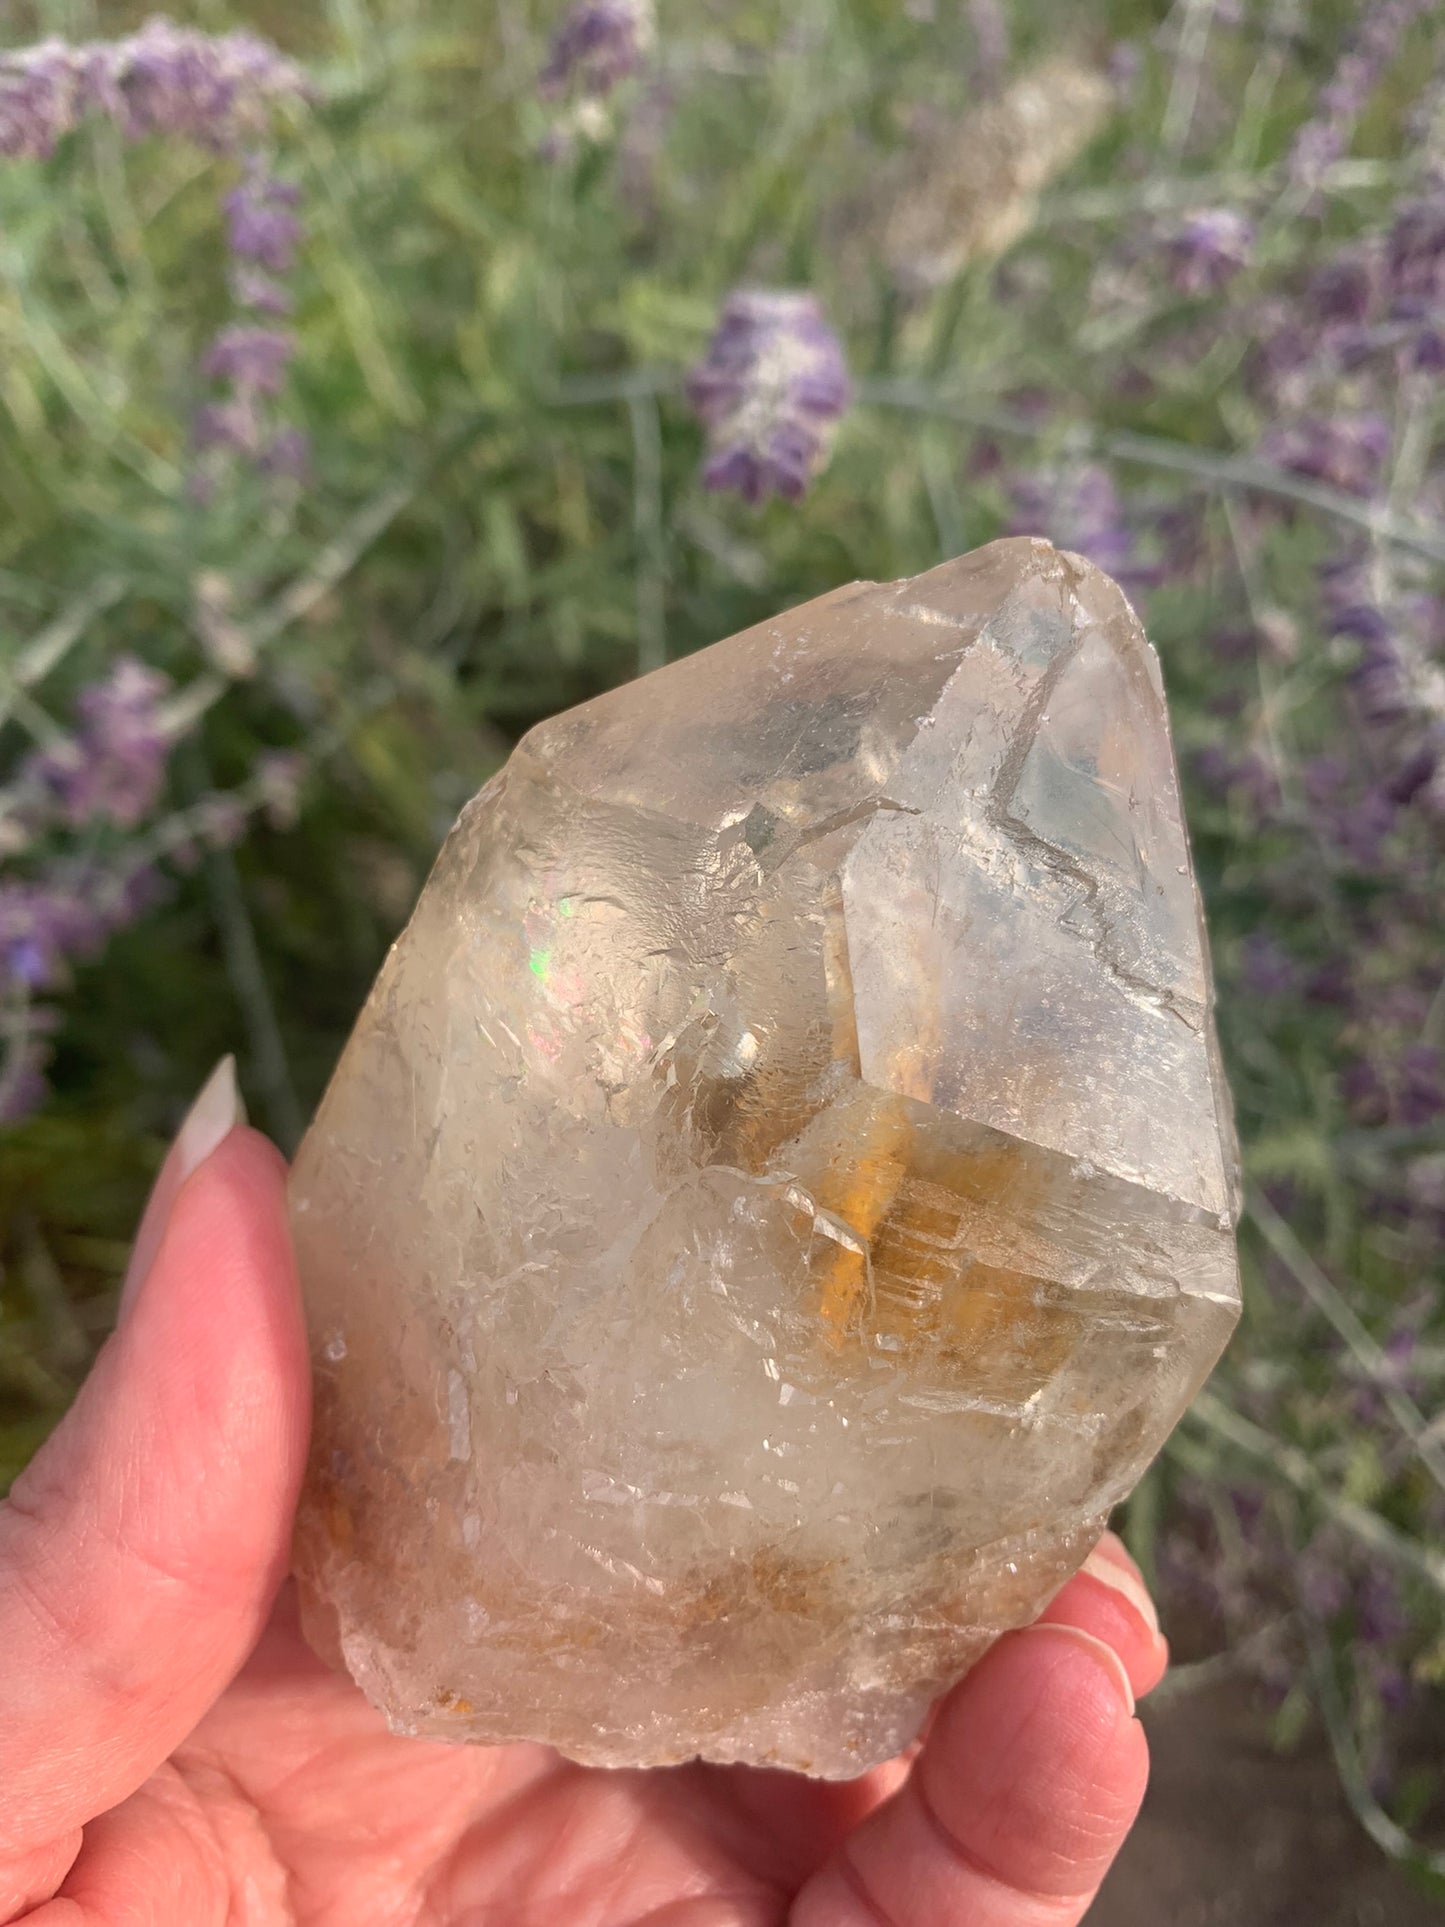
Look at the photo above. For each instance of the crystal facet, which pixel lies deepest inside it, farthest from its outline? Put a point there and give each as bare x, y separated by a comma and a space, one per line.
780, 1192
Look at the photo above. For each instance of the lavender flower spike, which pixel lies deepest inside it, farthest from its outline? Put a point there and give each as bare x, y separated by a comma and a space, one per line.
770, 392
1078, 506
43, 94
253, 360
1326, 136
1210, 248
261, 223
113, 767
597, 46
215, 89
1346, 451
42, 924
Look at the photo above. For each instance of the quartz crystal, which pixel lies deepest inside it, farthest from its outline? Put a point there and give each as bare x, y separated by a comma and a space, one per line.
780, 1192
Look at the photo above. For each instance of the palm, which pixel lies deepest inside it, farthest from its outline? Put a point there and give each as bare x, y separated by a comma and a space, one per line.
328, 1819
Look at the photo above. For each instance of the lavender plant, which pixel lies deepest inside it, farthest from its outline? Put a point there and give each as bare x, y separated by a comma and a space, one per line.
60, 896
342, 436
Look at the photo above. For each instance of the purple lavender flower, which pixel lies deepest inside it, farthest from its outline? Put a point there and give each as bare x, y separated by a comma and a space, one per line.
112, 768
287, 455
1209, 249
253, 360
261, 223
218, 90
1360, 833
769, 391
1078, 507
48, 922
233, 426
250, 357
236, 428
1420, 1097
1286, 355
1397, 680
598, 45
1381, 678
44, 92
1325, 137
1347, 451
1344, 289
261, 293
1415, 251
1386, 294
1415, 272
43, 924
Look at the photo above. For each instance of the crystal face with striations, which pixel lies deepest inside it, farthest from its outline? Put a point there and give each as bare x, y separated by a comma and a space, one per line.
780, 1192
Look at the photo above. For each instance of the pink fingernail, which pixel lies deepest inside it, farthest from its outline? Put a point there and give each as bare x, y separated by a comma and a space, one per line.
208, 1123
1125, 1582
1102, 1653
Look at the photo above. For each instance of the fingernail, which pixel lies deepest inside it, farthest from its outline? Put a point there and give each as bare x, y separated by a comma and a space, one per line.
1124, 1581
210, 1120
1103, 1654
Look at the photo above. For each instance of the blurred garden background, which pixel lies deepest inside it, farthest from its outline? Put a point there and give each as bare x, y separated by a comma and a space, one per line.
379, 376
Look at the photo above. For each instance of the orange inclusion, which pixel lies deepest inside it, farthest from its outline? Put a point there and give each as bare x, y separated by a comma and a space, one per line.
861, 1196
919, 1284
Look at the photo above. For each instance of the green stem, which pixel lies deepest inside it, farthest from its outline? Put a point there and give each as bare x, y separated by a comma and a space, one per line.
248, 979
1205, 466
1386, 1834
1290, 1464
1327, 1297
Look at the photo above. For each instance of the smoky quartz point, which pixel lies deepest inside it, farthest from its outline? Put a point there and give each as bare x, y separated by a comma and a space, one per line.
780, 1192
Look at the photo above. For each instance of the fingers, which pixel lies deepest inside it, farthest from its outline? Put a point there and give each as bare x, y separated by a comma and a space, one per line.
1030, 1779
163, 1859
1108, 1598
139, 1553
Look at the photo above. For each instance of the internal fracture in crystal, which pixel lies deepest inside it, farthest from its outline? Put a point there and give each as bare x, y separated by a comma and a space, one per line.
780, 1192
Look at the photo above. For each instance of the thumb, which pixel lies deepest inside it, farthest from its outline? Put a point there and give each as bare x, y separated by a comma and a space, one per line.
140, 1552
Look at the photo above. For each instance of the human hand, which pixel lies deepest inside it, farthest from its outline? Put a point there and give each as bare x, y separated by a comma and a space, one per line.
172, 1754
